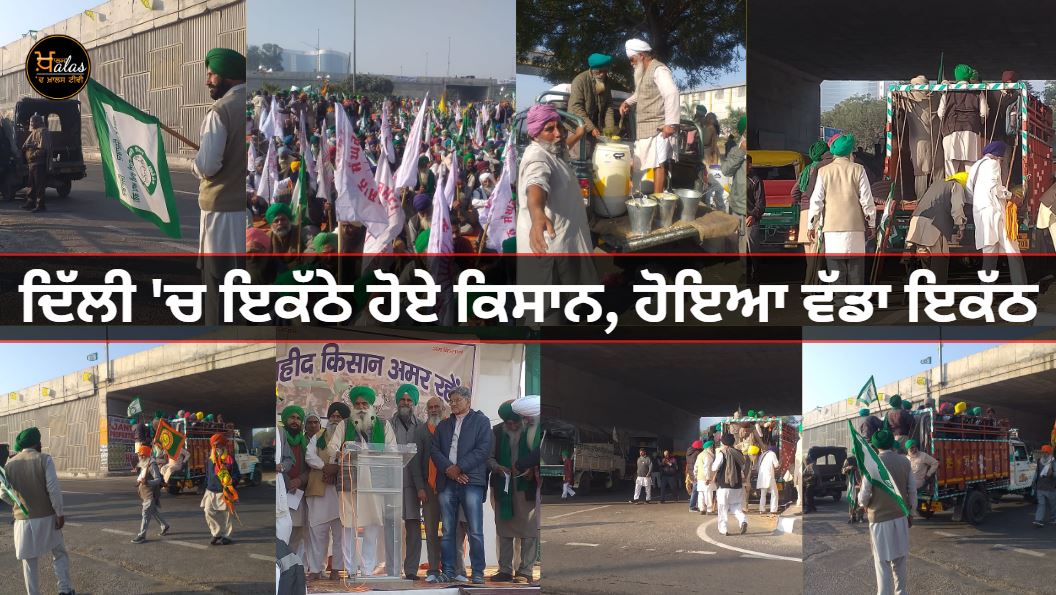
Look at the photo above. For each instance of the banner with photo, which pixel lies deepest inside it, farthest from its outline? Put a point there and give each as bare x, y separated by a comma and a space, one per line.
313, 375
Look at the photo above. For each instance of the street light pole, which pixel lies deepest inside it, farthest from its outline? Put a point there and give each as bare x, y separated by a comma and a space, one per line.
355, 39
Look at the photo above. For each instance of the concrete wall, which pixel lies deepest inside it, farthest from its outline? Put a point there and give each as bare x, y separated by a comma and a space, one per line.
69, 432
783, 105
590, 397
152, 58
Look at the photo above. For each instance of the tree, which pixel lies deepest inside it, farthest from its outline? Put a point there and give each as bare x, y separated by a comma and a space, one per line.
1049, 94
861, 115
729, 123
701, 38
266, 57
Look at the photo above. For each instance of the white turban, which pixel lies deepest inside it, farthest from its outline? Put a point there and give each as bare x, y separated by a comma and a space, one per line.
530, 406
636, 46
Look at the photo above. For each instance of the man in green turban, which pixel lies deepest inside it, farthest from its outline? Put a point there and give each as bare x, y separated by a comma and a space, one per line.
280, 227
963, 115
364, 426
295, 468
405, 425
706, 486
590, 97
516, 506
220, 165
889, 523
735, 166
842, 207
923, 465
38, 512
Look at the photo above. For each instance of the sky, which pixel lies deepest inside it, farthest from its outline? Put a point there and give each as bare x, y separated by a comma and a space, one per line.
834, 371
395, 35
529, 87
25, 364
37, 15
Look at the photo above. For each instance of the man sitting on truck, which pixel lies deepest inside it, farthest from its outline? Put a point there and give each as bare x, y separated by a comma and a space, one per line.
923, 465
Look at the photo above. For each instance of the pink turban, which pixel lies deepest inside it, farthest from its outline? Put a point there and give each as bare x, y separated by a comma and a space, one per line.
257, 236
538, 115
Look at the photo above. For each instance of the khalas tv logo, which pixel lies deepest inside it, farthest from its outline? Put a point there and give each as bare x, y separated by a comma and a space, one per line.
58, 67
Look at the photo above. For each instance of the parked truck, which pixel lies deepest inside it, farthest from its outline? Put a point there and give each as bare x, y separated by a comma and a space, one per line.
192, 476
597, 457
980, 459
1028, 119
782, 437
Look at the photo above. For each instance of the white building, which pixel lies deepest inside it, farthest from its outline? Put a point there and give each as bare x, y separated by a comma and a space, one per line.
315, 61
833, 92
721, 100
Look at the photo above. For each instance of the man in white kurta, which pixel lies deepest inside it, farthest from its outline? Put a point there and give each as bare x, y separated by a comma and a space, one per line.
730, 498
324, 512
551, 215
1047, 214
888, 525
657, 113
38, 530
842, 206
705, 478
989, 200
363, 427
766, 481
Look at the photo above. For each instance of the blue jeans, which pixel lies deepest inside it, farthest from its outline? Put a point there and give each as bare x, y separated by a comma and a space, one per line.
1046, 510
693, 497
471, 500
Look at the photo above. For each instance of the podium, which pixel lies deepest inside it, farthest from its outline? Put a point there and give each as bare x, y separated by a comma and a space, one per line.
377, 490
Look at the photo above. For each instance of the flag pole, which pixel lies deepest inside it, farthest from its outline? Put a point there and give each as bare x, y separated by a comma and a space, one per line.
179, 136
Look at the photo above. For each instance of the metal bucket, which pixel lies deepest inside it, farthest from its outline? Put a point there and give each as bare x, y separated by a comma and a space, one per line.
667, 204
690, 201
640, 211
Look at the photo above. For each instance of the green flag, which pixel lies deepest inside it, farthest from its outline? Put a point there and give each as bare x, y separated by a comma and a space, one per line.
873, 469
134, 408
8, 491
299, 204
135, 170
868, 394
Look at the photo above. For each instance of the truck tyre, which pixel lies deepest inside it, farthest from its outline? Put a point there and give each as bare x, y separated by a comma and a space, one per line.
63, 188
836, 497
975, 507
925, 510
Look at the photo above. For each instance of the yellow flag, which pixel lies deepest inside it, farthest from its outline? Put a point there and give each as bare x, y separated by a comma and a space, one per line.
148, 3
443, 103
90, 14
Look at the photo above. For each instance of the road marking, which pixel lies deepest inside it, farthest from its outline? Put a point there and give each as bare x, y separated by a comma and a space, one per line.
262, 557
577, 512
998, 546
702, 533
73, 524
703, 553
85, 493
945, 534
196, 546
118, 532
584, 544
185, 192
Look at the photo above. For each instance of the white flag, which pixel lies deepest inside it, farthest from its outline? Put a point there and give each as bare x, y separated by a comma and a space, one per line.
357, 192
407, 174
273, 126
440, 240
380, 235
270, 176
499, 214
478, 129
323, 170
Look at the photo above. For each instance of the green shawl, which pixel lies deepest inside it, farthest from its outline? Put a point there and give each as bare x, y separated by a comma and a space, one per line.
505, 458
377, 435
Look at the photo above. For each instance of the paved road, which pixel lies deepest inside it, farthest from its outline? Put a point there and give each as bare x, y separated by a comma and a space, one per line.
603, 545
102, 515
88, 221
1004, 554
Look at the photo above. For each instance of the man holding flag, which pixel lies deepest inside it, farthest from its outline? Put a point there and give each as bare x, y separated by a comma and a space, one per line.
220, 165
886, 483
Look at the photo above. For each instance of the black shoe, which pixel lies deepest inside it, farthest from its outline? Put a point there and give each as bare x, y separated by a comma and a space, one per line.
28, 205
225, 541
744, 528
164, 531
519, 577
411, 577
139, 539
214, 541
501, 577
1038, 525
40, 207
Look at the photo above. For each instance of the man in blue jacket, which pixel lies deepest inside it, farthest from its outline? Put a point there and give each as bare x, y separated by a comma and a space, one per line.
460, 450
